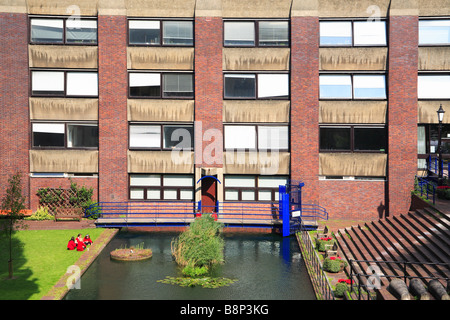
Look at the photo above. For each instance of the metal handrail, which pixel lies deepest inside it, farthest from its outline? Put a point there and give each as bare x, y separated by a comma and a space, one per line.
161, 209
319, 277
429, 186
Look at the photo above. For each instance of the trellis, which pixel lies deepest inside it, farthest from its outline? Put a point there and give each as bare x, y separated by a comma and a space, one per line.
55, 198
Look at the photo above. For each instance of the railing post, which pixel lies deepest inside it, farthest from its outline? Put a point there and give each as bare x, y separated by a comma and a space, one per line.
285, 215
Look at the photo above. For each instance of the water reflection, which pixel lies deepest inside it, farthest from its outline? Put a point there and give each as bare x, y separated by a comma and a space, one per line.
267, 267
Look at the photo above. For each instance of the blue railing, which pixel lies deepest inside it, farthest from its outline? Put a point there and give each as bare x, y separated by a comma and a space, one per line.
426, 187
151, 212
433, 166
183, 212
314, 211
289, 211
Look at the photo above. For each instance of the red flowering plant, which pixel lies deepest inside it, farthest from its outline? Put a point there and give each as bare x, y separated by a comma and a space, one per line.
334, 264
347, 281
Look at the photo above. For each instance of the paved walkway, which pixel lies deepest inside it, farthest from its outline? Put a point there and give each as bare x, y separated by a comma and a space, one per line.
443, 205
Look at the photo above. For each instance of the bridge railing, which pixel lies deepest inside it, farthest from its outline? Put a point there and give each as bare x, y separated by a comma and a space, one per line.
244, 212
162, 211
155, 211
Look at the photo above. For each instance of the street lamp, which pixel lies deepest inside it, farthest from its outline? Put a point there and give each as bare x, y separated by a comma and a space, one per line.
440, 113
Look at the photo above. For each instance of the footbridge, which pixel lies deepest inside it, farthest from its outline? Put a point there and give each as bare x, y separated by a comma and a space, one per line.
287, 214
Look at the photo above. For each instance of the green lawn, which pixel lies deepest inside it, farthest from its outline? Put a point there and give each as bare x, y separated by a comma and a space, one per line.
40, 258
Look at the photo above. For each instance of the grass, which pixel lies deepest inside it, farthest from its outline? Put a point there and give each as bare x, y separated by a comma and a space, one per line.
40, 258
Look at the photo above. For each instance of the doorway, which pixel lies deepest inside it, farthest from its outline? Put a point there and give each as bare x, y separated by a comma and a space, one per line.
209, 194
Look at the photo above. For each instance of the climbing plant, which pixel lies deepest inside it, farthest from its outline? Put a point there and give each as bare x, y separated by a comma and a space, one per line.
73, 197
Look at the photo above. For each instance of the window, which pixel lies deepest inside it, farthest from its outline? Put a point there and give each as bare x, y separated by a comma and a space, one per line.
161, 85
65, 135
434, 32
353, 33
64, 83
256, 33
161, 187
252, 188
257, 137
161, 136
433, 86
428, 139
357, 86
63, 31
353, 138
256, 86
150, 32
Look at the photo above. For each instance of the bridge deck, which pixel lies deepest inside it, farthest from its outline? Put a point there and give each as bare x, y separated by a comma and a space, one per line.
185, 220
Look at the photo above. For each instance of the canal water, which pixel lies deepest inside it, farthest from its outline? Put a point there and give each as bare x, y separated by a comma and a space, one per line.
266, 267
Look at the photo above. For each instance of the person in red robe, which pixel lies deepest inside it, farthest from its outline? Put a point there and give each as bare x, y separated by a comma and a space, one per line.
80, 246
71, 245
78, 239
87, 240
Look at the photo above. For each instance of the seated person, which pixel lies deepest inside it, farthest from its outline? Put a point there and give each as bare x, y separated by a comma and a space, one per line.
71, 245
80, 246
78, 239
87, 240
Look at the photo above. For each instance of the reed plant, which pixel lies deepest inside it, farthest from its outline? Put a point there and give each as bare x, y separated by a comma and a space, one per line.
200, 245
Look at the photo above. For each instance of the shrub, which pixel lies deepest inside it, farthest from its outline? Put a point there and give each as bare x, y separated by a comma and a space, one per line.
340, 290
334, 265
321, 242
443, 193
41, 214
192, 271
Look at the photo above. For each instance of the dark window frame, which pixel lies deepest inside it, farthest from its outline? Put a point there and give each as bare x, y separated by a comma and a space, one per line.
352, 45
64, 39
428, 136
256, 28
65, 72
161, 188
431, 44
432, 73
66, 135
256, 189
352, 74
161, 22
256, 74
257, 125
161, 81
352, 128
161, 140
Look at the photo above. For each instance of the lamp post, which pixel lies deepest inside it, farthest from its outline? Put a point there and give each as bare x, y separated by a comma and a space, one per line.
440, 113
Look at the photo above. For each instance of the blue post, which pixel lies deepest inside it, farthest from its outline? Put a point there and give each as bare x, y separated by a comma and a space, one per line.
285, 214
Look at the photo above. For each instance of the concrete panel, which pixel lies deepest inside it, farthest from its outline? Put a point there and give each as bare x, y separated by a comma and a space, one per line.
360, 59
41, 56
434, 58
160, 58
256, 59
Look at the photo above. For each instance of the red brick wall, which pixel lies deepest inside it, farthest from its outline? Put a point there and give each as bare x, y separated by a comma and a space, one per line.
353, 200
14, 118
113, 126
305, 105
402, 111
208, 86
37, 183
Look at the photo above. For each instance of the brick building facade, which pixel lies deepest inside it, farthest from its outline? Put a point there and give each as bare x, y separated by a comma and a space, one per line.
341, 95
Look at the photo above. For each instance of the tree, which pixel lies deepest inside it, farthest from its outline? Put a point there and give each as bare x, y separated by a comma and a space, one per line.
13, 204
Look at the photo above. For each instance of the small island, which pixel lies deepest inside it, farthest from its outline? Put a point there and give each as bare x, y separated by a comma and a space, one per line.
137, 253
